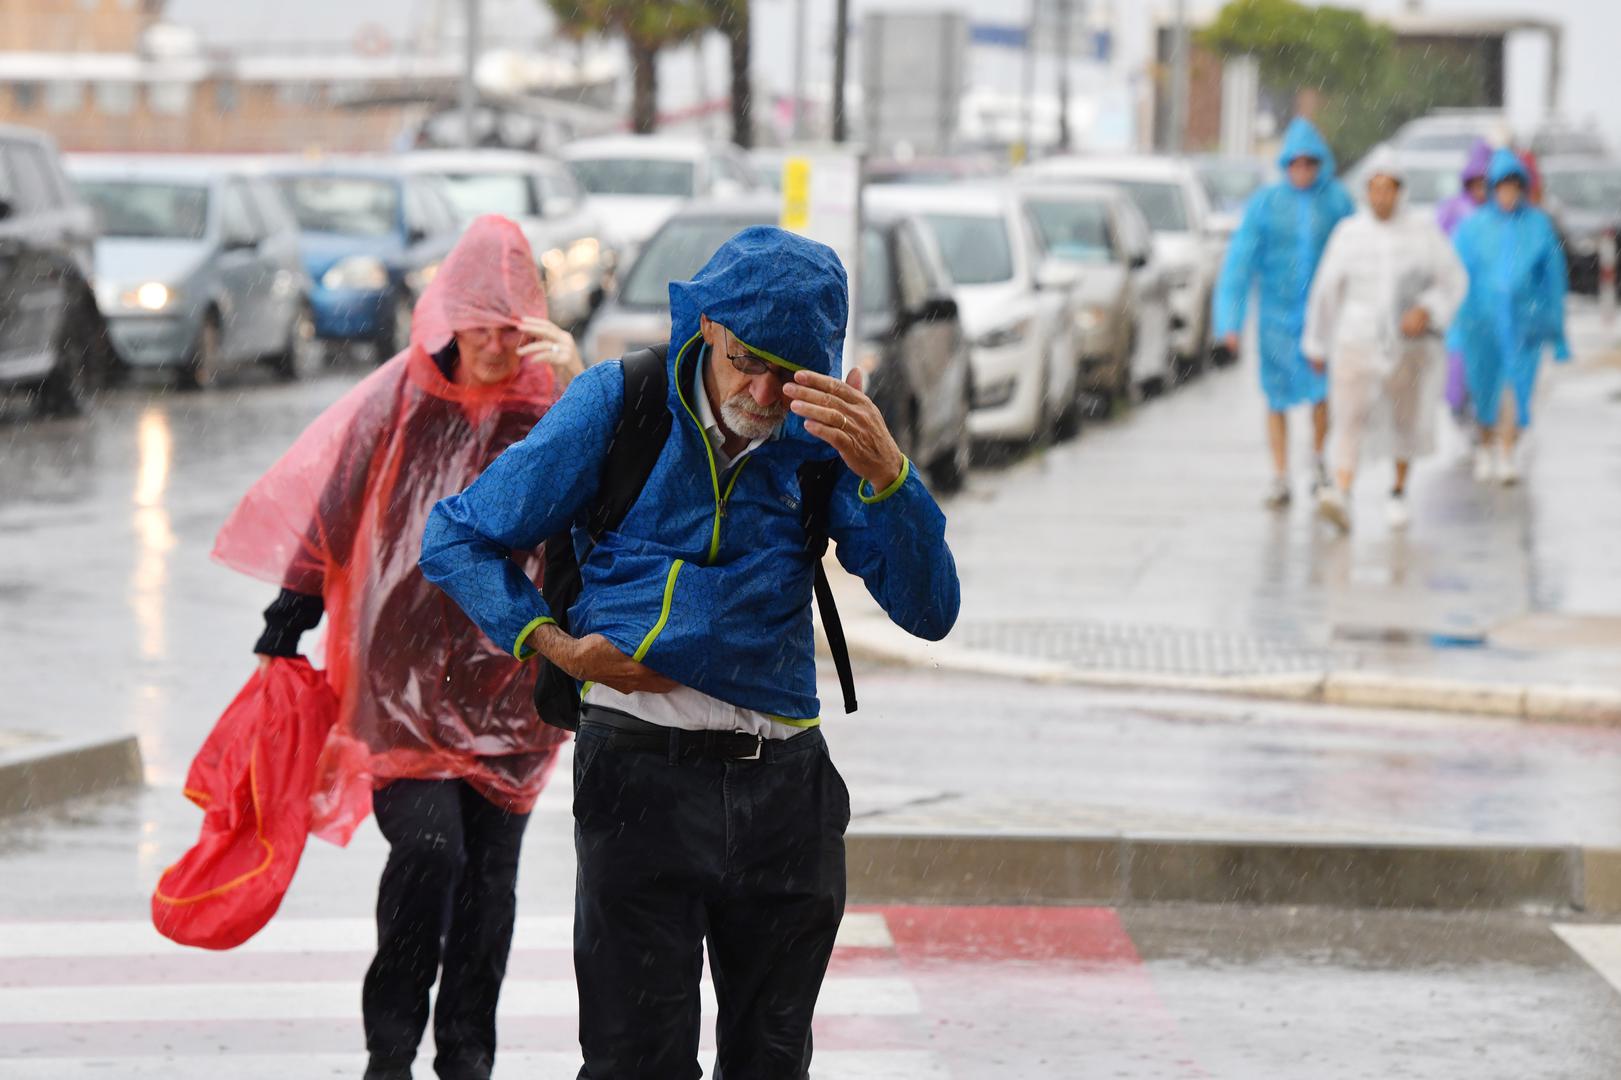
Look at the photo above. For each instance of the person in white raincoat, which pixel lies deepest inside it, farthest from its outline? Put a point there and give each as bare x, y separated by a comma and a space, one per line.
1387, 287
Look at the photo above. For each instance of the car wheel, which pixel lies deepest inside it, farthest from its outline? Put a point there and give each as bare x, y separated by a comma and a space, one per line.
79, 373
395, 334
304, 356
201, 369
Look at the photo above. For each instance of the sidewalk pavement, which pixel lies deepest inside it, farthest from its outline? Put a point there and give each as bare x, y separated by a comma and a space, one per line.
1139, 555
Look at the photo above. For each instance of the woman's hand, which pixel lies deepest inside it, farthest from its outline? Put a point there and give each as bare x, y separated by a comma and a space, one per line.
552, 345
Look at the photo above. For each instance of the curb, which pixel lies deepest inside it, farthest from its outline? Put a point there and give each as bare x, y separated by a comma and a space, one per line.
876, 642
1113, 870
43, 775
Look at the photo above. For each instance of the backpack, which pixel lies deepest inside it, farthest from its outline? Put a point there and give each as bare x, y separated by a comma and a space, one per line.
638, 439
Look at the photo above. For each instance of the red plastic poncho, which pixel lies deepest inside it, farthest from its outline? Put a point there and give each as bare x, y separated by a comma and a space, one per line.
420, 689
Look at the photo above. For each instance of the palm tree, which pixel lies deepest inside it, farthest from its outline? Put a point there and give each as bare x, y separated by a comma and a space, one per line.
647, 27
731, 18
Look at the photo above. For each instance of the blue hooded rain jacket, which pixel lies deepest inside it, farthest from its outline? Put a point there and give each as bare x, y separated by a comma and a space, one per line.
706, 580
1277, 246
1516, 300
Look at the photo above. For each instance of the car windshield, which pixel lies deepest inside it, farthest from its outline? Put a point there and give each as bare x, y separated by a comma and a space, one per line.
974, 246
1161, 203
1076, 230
148, 210
676, 252
1426, 187
509, 194
636, 176
347, 205
1230, 185
1586, 189
1460, 142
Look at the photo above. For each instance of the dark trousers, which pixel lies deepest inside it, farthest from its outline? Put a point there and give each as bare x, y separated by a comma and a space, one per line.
445, 908
748, 854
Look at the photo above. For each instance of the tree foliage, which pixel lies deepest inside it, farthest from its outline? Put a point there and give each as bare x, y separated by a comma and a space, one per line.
1368, 84
648, 27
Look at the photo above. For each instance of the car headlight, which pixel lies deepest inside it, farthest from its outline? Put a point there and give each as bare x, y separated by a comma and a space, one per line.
357, 272
420, 278
1090, 318
148, 296
1011, 334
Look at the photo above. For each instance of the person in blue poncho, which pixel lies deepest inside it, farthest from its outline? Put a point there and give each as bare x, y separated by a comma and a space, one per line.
1514, 309
1276, 249
706, 807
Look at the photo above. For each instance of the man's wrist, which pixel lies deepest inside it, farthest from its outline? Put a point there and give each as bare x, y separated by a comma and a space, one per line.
551, 641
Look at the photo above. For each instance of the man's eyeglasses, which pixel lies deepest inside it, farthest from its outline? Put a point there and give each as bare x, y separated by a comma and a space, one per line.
753, 364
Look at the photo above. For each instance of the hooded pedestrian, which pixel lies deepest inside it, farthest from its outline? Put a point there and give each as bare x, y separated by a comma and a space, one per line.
706, 806
1276, 250
436, 719
1449, 215
1514, 310
1387, 287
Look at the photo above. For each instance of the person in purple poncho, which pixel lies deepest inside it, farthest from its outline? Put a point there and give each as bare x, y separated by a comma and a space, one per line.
1449, 215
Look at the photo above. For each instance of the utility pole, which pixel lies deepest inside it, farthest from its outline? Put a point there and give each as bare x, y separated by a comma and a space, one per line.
1027, 91
1064, 35
469, 89
1178, 117
799, 70
841, 48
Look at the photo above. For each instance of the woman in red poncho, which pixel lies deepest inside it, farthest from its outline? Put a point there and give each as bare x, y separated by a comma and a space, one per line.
435, 715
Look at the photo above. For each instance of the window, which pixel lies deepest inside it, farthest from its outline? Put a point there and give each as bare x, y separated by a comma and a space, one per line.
558, 192
510, 194
115, 98
427, 209
1076, 230
272, 210
25, 95
169, 98
64, 96
147, 209
676, 252
1162, 204
346, 205
32, 181
238, 222
631, 176
975, 247
877, 275
912, 269
226, 97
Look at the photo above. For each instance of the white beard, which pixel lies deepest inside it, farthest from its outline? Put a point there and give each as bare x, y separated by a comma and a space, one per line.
747, 420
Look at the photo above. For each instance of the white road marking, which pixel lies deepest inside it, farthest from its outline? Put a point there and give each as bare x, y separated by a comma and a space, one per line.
1599, 945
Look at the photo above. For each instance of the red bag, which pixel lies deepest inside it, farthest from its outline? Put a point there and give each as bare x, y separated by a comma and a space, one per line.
254, 778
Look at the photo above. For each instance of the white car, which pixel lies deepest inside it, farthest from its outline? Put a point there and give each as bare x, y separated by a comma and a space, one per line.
1452, 131
1429, 177
1172, 198
1017, 310
541, 195
634, 183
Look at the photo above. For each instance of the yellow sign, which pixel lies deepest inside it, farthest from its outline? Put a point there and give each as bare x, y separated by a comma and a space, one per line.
796, 194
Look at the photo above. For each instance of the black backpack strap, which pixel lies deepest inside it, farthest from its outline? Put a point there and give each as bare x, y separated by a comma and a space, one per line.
638, 439
816, 480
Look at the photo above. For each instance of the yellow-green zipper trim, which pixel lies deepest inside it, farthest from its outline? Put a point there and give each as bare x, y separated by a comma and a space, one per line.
664, 611
709, 451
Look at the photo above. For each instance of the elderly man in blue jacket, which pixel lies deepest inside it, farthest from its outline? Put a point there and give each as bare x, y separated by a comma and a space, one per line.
705, 802
1276, 249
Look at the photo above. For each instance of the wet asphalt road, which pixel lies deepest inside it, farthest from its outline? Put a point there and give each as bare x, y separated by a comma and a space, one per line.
116, 620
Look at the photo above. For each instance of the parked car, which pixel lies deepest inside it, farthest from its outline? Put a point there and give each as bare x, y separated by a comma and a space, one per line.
1584, 194
542, 196
1122, 320
1452, 130
197, 267
635, 182
52, 338
374, 233
1556, 139
1018, 309
1229, 181
973, 168
911, 345
1429, 177
1172, 199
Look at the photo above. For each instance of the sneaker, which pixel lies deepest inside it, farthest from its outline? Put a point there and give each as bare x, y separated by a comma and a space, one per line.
1332, 509
1484, 468
1277, 496
1396, 511
1319, 478
1508, 470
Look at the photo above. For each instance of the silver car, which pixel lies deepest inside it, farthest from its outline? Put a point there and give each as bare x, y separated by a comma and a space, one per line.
197, 267
542, 196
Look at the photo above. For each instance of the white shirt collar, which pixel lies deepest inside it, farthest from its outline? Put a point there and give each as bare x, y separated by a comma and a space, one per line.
711, 426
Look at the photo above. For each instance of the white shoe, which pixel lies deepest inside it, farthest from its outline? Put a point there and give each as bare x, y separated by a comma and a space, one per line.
1484, 468
1277, 496
1508, 470
1396, 512
1332, 509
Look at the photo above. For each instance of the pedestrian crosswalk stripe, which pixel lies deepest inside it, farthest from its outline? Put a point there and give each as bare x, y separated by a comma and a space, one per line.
138, 938
172, 1002
1600, 946
845, 1064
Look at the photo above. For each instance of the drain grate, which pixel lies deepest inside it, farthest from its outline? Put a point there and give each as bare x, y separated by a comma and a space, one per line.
1103, 646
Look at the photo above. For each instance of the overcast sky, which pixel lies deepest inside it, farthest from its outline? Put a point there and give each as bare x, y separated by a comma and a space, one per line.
1592, 69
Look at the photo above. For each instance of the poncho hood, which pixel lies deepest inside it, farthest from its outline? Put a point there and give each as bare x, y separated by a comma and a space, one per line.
1300, 140
1505, 164
1478, 162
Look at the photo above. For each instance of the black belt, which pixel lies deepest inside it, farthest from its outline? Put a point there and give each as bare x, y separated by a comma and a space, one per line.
627, 732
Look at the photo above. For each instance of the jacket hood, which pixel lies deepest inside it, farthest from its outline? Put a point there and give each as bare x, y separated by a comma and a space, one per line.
1301, 139
1479, 161
1504, 164
783, 296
